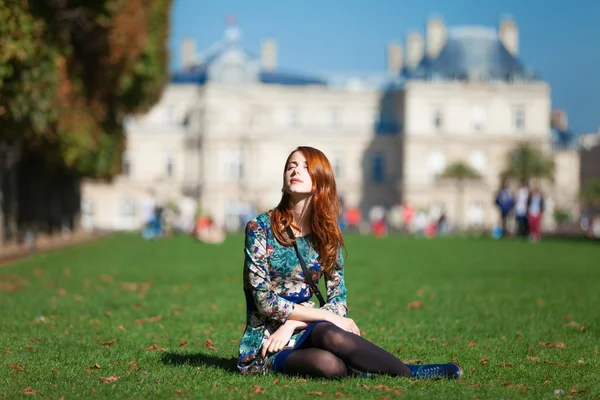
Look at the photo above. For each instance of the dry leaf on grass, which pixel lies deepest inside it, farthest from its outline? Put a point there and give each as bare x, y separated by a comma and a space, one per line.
413, 361
382, 387
210, 345
416, 304
472, 344
108, 379
109, 343
29, 390
530, 358
16, 367
182, 343
95, 366
156, 347
484, 361
258, 389
315, 393
148, 320
559, 345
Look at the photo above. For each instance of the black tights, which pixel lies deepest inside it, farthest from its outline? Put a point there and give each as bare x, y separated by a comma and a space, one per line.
331, 352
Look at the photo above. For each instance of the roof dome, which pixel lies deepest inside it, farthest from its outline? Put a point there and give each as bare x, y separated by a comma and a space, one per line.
471, 52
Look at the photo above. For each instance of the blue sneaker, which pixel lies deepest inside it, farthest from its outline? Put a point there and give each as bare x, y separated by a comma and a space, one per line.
435, 371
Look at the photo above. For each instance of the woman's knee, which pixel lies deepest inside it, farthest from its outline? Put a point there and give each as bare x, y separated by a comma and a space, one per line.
330, 366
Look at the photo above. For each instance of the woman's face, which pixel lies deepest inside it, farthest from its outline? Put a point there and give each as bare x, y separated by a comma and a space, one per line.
296, 178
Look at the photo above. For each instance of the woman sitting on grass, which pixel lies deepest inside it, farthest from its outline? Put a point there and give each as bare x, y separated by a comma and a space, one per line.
285, 332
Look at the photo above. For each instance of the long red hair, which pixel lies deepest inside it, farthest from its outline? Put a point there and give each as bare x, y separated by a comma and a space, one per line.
326, 209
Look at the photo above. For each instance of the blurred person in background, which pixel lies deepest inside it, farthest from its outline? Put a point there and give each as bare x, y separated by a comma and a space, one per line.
285, 332
505, 203
521, 206
535, 211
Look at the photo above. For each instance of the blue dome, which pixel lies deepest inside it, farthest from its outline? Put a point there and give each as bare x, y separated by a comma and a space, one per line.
471, 53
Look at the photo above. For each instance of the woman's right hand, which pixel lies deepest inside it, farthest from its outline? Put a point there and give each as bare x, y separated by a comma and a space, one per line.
346, 324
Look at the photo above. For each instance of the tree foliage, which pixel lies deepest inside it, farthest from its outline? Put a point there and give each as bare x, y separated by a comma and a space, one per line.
526, 162
70, 71
460, 171
590, 192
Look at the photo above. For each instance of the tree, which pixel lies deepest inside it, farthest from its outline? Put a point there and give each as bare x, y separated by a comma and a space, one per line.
526, 162
590, 192
461, 173
69, 74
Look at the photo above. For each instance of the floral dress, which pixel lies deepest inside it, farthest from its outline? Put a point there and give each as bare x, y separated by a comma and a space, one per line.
274, 284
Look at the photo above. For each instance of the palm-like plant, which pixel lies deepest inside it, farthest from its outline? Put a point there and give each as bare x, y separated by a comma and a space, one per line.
460, 173
526, 162
590, 192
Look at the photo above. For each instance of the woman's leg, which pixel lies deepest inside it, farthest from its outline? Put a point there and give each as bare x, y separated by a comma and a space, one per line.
355, 351
315, 363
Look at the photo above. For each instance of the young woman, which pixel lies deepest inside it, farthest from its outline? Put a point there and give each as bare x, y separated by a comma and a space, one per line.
285, 331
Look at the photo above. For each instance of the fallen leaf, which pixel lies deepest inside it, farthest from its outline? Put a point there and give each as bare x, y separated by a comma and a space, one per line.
399, 350
416, 304
54, 372
10, 352
580, 362
530, 358
541, 302
106, 345
574, 389
258, 389
484, 361
107, 313
95, 366
16, 367
133, 365
108, 379
29, 390
523, 390
472, 344
156, 347
215, 384
475, 385
506, 365
78, 299
210, 345
148, 320
433, 339
506, 383
382, 387
421, 292
451, 340
413, 361
182, 343
106, 278
547, 382
315, 393
276, 381
554, 363
121, 327
181, 392
559, 345
39, 272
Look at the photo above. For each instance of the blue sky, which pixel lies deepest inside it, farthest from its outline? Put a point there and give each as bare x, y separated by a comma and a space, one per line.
559, 39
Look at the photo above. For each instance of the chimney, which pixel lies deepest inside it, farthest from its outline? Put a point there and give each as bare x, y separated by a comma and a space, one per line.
414, 49
188, 52
394, 59
436, 36
269, 54
509, 35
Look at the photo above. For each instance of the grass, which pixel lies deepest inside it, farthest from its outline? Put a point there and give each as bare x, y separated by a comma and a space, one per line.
523, 320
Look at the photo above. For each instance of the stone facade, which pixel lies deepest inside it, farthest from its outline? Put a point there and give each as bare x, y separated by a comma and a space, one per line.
224, 126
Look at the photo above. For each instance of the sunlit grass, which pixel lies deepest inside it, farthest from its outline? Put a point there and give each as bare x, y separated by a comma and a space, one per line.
163, 319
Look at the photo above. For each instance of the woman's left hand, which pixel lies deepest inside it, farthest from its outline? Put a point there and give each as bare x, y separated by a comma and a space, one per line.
278, 340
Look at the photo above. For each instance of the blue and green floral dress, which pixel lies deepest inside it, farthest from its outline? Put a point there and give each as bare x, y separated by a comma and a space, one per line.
273, 285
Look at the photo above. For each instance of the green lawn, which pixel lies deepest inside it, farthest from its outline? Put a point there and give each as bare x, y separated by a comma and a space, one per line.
522, 319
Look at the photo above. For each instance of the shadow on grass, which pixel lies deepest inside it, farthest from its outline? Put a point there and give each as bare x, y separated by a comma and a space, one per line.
200, 360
